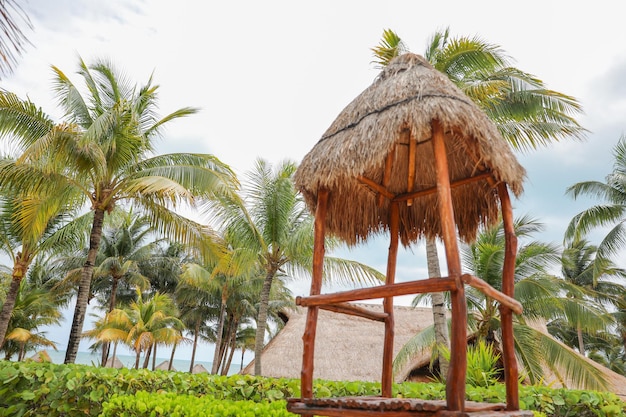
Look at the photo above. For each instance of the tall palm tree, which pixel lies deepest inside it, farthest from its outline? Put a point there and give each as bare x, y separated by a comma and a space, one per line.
35, 306
527, 114
105, 149
274, 230
611, 211
123, 249
594, 280
197, 307
153, 321
30, 225
12, 38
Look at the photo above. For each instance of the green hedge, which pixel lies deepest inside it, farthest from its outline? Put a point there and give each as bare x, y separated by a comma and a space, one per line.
44, 389
146, 404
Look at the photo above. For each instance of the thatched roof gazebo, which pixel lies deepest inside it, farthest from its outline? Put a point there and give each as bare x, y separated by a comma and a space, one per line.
413, 157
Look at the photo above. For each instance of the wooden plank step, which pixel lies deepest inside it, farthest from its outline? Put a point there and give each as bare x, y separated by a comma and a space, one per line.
395, 407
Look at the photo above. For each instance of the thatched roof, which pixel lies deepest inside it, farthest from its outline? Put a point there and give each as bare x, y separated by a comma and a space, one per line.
114, 364
346, 348
349, 348
198, 369
401, 104
41, 356
165, 366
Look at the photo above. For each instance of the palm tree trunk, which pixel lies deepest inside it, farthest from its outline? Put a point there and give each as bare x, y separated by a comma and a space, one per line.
231, 346
169, 366
439, 308
154, 353
261, 322
7, 307
243, 352
84, 287
19, 270
105, 354
146, 359
218, 337
114, 353
226, 343
137, 358
195, 345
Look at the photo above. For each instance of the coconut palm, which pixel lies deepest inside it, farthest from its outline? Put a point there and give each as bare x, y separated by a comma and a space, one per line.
123, 249
105, 149
594, 280
35, 306
12, 38
153, 322
611, 212
527, 114
31, 225
273, 230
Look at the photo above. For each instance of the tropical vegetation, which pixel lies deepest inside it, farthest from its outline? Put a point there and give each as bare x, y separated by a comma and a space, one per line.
89, 211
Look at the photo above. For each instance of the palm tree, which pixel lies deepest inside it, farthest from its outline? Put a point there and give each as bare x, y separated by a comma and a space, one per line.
105, 150
31, 225
12, 39
35, 306
526, 113
123, 249
273, 230
152, 321
594, 280
543, 296
611, 212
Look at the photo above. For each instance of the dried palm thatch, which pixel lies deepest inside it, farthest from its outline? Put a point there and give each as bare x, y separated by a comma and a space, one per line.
370, 143
348, 347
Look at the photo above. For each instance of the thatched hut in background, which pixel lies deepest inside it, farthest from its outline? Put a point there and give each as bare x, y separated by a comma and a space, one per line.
198, 369
348, 347
165, 366
41, 356
111, 363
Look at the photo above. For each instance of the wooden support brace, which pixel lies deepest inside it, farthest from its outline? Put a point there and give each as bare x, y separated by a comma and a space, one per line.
381, 291
353, 310
489, 291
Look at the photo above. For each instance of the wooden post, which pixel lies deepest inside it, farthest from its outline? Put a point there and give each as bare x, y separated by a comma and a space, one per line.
508, 288
308, 339
387, 377
411, 165
455, 382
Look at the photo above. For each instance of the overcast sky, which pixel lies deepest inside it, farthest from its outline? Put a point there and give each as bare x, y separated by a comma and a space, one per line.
271, 76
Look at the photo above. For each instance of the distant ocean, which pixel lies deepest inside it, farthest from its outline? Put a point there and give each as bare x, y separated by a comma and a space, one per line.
87, 358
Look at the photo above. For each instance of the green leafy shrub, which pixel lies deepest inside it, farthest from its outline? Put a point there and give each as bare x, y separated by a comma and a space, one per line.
45, 389
145, 404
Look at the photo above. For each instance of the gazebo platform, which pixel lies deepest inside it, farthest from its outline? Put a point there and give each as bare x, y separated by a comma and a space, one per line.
395, 407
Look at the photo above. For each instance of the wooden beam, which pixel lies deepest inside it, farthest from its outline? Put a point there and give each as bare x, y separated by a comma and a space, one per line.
387, 174
353, 310
489, 291
508, 288
308, 339
394, 233
411, 196
375, 187
381, 291
455, 382
411, 163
